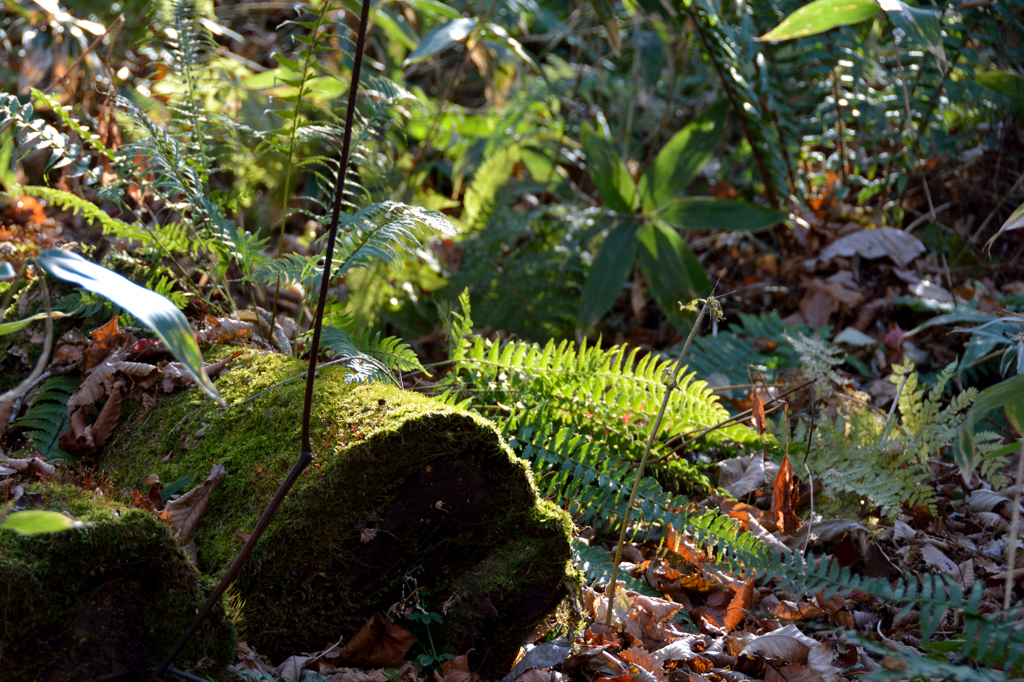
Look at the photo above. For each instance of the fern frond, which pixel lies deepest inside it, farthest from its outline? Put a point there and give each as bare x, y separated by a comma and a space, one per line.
381, 232
47, 417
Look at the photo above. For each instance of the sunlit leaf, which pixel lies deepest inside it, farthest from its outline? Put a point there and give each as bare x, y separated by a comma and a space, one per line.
921, 26
1014, 222
679, 161
671, 270
609, 173
1006, 82
152, 309
820, 16
435, 9
728, 215
37, 522
609, 272
11, 327
441, 38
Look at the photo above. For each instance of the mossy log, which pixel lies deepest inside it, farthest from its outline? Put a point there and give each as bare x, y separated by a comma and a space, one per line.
404, 493
104, 601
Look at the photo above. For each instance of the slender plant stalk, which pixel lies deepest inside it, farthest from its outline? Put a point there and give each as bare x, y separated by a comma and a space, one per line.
1014, 529
306, 452
647, 452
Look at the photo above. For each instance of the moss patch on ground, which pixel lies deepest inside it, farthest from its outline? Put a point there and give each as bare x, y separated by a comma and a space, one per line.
101, 602
404, 492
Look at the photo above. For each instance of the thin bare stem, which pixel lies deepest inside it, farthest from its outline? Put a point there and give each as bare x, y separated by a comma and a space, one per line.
1014, 529
306, 451
647, 451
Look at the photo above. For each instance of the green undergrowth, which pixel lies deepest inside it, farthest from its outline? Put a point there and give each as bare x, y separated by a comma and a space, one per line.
402, 489
106, 599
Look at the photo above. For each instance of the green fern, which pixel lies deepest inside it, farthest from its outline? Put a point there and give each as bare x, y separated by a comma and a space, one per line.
580, 415
370, 357
859, 456
47, 418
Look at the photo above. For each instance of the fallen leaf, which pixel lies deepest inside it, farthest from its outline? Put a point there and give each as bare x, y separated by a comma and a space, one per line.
757, 408
639, 656
934, 558
739, 605
291, 669
108, 417
377, 645
546, 655
457, 670
184, 513
899, 246
154, 495
785, 494
824, 298
5, 417
741, 475
104, 340
787, 644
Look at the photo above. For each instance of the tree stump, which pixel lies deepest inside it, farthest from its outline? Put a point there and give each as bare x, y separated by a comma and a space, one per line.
105, 601
405, 493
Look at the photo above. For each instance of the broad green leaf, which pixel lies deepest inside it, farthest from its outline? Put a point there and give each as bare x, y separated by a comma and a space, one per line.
679, 161
610, 175
152, 309
609, 272
435, 9
1014, 222
394, 30
728, 215
1007, 394
921, 26
6, 270
37, 522
1006, 82
671, 271
11, 327
820, 16
442, 37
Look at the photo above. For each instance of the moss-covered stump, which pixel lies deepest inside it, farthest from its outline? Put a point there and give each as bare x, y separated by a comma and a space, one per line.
105, 601
404, 492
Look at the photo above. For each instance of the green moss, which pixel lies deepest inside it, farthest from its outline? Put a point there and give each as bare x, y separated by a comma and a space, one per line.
104, 600
402, 489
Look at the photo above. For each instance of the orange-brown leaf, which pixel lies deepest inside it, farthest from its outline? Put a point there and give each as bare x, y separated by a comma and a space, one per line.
786, 492
739, 605
377, 645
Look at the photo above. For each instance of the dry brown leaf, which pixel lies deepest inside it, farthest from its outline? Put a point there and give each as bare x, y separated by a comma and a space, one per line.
934, 558
786, 492
823, 298
757, 408
377, 645
108, 417
660, 609
899, 246
739, 605
69, 349
291, 669
104, 340
184, 513
787, 644
5, 417
741, 475
457, 670
143, 374
639, 656
223, 330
